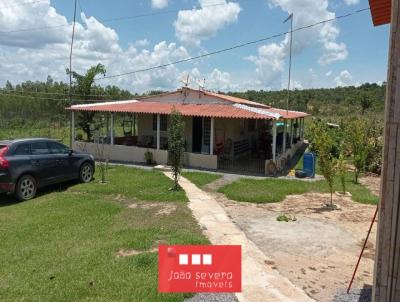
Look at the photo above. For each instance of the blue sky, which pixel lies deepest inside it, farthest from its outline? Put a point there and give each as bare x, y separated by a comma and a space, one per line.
346, 52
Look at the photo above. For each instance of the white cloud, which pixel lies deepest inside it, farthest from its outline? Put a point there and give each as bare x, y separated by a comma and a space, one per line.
351, 2
329, 73
344, 79
270, 64
34, 55
16, 18
142, 43
193, 26
271, 58
216, 80
159, 3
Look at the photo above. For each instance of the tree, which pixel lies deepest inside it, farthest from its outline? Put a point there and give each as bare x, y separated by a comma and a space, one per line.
342, 170
324, 143
357, 138
9, 86
366, 103
176, 144
82, 86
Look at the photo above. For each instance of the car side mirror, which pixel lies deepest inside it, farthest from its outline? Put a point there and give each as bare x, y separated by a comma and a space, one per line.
70, 151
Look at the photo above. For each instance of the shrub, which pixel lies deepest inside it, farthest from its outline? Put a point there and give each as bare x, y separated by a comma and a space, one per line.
176, 144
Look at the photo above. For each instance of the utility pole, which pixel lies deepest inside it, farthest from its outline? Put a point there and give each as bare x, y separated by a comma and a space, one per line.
290, 59
70, 74
387, 259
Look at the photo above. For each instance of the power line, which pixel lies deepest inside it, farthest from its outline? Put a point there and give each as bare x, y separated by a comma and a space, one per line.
110, 20
66, 94
232, 47
35, 97
70, 52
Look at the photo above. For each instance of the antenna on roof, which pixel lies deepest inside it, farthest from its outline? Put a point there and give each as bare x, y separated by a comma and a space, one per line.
202, 84
185, 82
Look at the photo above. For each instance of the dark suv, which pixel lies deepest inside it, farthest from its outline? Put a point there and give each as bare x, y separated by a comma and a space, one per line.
28, 164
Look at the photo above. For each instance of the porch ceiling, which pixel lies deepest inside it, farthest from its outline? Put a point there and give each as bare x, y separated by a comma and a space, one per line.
203, 110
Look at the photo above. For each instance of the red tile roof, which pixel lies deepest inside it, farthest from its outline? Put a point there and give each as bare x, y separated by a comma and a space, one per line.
381, 11
204, 110
219, 96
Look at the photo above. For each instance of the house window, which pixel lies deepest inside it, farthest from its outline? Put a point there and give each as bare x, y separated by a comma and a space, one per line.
163, 122
206, 131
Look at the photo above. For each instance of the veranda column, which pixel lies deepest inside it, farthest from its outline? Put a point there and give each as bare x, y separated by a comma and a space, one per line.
387, 257
72, 128
284, 136
291, 134
274, 141
212, 136
158, 131
112, 129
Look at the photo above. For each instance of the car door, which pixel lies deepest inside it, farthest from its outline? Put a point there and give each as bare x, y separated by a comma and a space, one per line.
43, 163
63, 159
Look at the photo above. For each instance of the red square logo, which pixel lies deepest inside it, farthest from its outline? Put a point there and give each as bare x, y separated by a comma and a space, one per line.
199, 268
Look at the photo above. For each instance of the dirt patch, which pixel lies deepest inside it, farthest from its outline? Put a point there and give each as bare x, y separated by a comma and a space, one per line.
162, 209
319, 250
132, 252
372, 182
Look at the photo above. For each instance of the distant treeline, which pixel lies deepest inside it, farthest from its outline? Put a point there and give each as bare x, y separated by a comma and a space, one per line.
325, 102
34, 101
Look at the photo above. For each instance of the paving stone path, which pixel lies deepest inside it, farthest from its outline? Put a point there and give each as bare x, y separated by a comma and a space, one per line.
259, 282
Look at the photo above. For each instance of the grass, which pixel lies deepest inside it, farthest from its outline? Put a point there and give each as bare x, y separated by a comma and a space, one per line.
62, 245
201, 179
275, 190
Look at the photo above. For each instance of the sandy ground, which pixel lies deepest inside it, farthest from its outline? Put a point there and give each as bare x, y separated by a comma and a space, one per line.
319, 250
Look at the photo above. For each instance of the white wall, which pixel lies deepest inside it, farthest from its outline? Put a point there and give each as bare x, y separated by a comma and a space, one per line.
122, 153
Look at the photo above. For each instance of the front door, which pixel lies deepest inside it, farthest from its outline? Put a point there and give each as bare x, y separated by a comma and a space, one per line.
197, 134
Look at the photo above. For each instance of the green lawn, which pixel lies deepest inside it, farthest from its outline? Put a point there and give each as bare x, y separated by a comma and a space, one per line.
275, 190
200, 179
62, 245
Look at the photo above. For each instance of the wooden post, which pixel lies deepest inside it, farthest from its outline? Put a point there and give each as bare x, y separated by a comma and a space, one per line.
302, 129
284, 136
112, 129
212, 137
158, 131
72, 128
387, 258
274, 141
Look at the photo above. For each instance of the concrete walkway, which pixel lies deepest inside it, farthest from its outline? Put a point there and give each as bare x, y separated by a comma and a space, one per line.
259, 282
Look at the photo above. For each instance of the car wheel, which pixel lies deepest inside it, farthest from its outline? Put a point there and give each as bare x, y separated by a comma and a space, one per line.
86, 173
26, 188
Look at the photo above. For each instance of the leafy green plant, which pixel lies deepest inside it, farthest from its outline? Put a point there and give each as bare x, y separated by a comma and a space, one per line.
82, 86
357, 133
148, 156
286, 218
324, 144
176, 144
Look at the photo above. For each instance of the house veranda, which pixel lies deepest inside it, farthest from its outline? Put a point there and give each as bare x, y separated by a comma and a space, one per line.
222, 132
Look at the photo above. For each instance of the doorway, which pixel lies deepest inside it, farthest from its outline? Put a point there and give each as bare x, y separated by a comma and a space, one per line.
197, 134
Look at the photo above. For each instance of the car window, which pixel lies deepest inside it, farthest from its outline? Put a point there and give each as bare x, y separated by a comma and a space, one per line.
57, 148
40, 148
22, 149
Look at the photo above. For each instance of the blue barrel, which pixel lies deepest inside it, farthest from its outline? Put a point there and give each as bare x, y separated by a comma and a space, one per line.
309, 164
